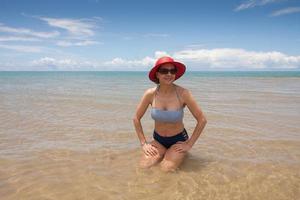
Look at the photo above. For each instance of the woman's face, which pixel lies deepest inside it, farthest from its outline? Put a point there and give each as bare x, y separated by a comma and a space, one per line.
166, 73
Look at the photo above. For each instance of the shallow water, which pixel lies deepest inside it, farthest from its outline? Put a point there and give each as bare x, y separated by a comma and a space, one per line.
70, 136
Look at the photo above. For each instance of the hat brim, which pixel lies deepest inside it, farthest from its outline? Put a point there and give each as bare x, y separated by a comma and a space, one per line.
179, 66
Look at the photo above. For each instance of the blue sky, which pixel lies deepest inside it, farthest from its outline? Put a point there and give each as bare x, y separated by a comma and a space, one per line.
132, 34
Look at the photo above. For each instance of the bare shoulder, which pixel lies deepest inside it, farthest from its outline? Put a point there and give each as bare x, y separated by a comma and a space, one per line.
149, 93
183, 92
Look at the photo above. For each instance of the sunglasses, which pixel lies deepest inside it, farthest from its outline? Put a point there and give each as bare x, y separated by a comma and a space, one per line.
166, 71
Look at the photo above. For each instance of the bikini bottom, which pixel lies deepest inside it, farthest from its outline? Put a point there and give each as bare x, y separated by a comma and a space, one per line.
169, 141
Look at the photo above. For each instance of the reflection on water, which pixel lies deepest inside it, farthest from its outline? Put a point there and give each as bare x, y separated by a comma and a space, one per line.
71, 137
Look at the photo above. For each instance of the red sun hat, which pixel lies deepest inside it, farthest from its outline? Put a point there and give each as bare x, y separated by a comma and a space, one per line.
163, 60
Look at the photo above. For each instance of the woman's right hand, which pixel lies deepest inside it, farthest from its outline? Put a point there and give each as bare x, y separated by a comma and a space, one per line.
149, 149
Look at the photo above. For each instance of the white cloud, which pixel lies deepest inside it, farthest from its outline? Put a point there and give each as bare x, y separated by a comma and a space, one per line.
285, 11
22, 48
18, 38
80, 33
81, 43
79, 27
253, 3
25, 31
46, 64
44, 61
214, 59
130, 64
237, 59
200, 59
50, 63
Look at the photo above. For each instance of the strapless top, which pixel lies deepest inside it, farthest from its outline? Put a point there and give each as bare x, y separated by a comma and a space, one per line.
170, 116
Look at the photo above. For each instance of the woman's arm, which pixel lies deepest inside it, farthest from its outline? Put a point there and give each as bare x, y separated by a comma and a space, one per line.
148, 149
197, 113
140, 111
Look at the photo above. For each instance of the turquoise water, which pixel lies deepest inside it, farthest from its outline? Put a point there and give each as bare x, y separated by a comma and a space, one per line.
104, 74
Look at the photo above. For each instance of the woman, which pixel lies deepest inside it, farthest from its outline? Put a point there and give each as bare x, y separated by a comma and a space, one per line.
171, 141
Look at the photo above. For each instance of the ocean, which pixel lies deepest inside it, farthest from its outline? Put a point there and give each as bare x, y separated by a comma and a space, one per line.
69, 135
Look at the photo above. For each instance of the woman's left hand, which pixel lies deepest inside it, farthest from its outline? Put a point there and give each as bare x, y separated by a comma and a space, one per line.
182, 147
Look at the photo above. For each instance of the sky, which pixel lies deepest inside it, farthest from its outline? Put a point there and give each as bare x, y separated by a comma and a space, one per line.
130, 35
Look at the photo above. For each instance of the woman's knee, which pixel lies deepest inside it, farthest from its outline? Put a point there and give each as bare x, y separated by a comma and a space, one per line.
168, 166
172, 160
149, 161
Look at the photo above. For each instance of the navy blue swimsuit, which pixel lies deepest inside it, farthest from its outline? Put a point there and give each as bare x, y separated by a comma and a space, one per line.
169, 141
